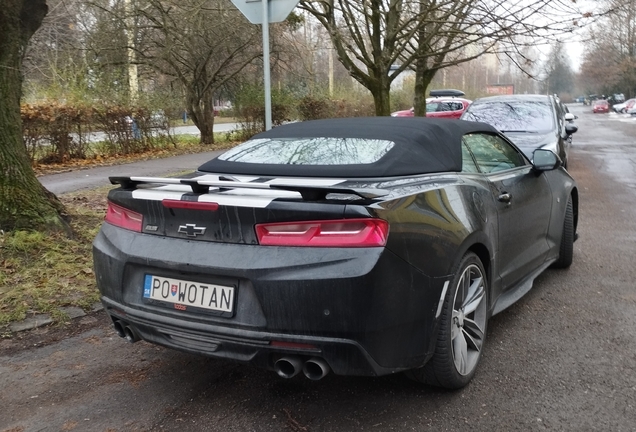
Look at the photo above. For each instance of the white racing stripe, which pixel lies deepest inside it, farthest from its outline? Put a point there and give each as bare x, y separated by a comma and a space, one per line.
156, 194
305, 181
216, 178
243, 197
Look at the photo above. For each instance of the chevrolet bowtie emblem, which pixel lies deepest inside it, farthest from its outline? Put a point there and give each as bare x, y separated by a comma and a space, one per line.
191, 230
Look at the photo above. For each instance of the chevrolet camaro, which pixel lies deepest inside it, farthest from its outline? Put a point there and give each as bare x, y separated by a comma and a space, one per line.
364, 246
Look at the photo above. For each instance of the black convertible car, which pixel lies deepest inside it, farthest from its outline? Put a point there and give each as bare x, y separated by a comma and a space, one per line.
362, 246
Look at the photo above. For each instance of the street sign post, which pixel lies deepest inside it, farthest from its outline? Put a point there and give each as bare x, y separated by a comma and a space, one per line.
264, 12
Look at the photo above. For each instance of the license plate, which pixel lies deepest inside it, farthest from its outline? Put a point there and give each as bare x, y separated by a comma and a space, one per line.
187, 293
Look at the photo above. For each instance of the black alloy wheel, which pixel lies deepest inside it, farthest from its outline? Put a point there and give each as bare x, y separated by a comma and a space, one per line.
462, 333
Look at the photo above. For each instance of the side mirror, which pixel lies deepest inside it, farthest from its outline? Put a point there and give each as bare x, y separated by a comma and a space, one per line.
570, 128
569, 117
545, 160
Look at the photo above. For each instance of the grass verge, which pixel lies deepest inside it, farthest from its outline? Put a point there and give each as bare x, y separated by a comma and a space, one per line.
39, 273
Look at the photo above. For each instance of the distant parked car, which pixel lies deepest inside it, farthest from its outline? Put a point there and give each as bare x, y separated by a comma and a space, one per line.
441, 104
159, 120
530, 121
600, 106
625, 106
616, 98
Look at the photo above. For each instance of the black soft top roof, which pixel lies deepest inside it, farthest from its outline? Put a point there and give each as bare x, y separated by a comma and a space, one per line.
422, 145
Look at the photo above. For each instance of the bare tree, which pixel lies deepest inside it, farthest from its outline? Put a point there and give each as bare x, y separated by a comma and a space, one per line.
201, 44
609, 61
24, 202
370, 36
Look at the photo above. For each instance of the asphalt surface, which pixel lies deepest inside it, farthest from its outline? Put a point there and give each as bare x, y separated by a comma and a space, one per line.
95, 177
562, 358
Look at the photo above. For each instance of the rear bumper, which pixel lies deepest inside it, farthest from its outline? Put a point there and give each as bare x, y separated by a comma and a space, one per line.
366, 311
345, 357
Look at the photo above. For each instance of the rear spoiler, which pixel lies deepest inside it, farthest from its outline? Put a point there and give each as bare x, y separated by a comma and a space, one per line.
308, 192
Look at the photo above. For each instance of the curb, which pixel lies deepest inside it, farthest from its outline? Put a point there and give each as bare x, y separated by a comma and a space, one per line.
41, 320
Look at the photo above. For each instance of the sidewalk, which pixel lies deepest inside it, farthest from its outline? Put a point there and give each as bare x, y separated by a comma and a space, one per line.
96, 177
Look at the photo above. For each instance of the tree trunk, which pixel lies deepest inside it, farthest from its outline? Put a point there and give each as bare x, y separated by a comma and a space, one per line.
24, 202
423, 74
381, 91
201, 111
423, 77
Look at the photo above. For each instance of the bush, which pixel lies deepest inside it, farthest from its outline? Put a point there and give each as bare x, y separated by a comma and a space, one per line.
249, 109
402, 100
56, 133
312, 108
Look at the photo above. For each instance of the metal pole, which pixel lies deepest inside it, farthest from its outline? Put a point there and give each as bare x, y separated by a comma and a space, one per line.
268, 91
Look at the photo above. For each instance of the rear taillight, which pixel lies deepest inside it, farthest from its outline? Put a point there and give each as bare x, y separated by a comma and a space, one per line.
330, 233
123, 218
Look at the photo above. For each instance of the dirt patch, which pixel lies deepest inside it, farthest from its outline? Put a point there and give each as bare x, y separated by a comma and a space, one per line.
43, 336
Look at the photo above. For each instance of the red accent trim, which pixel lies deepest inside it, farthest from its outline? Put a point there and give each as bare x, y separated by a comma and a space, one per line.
294, 345
190, 205
123, 217
327, 233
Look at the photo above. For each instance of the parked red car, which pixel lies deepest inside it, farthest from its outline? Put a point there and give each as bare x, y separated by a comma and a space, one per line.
442, 103
600, 106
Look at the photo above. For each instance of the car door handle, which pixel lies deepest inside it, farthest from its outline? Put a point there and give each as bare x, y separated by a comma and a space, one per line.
505, 197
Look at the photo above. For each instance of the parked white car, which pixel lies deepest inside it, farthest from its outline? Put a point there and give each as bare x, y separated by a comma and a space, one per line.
625, 106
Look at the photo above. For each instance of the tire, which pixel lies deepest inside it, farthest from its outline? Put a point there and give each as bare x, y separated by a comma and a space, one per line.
566, 248
462, 334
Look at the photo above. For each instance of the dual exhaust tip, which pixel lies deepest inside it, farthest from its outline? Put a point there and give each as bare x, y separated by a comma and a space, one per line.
125, 331
315, 368
287, 367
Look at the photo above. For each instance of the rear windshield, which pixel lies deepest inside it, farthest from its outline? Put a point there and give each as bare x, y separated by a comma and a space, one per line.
309, 151
522, 116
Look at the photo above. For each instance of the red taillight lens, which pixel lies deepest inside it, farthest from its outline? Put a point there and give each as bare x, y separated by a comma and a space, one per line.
123, 218
330, 233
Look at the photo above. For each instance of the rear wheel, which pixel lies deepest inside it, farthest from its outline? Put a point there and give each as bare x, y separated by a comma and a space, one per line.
566, 249
462, 328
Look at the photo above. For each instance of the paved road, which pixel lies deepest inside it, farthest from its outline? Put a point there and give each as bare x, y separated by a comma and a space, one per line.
562, 358
178, 130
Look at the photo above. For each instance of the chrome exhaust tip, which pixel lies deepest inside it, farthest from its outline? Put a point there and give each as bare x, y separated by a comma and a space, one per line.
288, 367
130, 335
118, 326
316, 369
